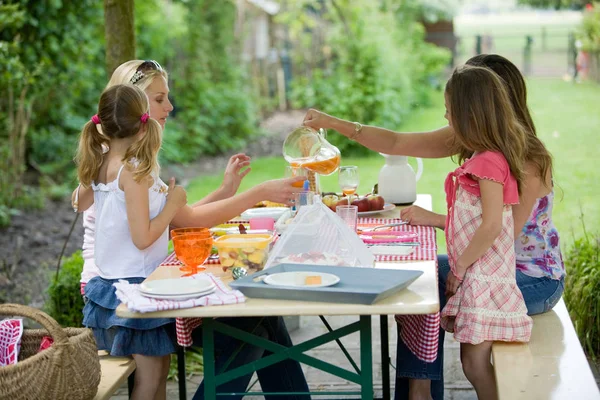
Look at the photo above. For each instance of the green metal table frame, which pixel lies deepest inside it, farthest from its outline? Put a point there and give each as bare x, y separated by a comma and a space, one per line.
362, 376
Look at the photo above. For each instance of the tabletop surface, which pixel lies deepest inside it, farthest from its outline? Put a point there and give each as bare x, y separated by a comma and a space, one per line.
421, 297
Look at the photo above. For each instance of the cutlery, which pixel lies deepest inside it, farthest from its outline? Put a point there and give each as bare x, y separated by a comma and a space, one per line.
382, 226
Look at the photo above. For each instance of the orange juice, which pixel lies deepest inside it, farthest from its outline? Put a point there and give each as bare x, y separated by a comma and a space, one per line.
347, 191
325, 166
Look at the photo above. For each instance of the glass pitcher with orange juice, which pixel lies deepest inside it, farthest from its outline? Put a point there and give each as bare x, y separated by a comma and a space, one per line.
309, 149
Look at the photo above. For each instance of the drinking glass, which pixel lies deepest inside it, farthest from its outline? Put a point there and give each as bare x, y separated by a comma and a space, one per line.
293, 171
348, 180
192, 249
349, 214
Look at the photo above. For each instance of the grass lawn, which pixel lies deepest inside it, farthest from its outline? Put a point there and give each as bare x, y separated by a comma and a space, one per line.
567, 119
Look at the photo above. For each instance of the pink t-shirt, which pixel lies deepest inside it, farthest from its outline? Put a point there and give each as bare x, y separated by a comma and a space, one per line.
489, 165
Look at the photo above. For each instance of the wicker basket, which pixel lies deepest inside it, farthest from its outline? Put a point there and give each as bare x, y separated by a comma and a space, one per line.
69, 369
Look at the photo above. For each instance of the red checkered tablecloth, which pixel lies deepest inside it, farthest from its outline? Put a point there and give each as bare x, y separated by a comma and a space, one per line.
420, 333
427, 250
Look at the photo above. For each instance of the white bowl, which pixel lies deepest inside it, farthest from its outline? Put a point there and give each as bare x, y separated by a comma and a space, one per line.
272, 212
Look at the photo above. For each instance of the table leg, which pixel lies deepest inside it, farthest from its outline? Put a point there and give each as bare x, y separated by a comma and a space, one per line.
385, 356
181, 372
208, 348
366, 358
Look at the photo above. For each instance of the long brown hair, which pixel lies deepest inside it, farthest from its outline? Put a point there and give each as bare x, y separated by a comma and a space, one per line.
483, 118
517, 91
120, 112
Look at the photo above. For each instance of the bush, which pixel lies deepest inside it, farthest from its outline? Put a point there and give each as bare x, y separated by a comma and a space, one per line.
65, 303
582, 291
371, 63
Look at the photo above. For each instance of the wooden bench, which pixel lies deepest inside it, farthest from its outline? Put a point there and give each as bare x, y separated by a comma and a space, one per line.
551, 366
115, 371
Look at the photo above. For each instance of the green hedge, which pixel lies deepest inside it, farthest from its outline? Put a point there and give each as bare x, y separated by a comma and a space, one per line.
582, 291
65, 303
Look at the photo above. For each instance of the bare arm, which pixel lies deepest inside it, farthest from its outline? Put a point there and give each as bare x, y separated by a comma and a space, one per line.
82, 198
416, 215
218, 212
529, 195
492, 201
432, 144
145, 231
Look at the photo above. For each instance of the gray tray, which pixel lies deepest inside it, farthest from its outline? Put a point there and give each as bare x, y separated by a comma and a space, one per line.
356, 285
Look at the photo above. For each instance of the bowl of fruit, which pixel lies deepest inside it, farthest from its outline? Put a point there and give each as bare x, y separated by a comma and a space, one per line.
248, 251
367, 205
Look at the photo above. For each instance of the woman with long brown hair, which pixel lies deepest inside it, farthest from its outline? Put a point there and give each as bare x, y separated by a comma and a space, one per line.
540, 270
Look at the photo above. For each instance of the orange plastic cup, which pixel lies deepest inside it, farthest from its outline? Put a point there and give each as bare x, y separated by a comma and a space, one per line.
192, 250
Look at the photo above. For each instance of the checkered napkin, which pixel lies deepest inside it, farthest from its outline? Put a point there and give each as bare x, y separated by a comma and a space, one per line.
427, 249
11, 331
130, 295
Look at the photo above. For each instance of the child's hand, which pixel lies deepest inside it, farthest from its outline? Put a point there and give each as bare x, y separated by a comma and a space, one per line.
235, 172
452, 284
281, 190
416, 215
176, 195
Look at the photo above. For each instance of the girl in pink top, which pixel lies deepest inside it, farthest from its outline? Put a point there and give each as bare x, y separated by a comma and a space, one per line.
487, 304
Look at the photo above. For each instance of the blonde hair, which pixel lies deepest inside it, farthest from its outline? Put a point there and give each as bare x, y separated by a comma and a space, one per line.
484, 119
120, 111
124, 74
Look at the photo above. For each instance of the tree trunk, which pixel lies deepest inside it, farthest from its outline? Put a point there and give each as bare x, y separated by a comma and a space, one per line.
119, 33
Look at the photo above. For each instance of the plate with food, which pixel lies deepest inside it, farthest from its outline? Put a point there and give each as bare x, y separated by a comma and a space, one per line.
302, 279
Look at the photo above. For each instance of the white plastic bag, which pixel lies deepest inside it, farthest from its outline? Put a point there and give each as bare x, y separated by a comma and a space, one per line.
318, 236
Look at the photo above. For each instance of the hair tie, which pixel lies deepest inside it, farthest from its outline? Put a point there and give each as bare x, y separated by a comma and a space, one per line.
144, 118
96, 119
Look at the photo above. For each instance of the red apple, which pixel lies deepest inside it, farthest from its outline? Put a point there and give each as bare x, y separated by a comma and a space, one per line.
377, 202
362, 204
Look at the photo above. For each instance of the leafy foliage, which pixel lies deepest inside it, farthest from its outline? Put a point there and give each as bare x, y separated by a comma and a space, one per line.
194, 363
367, 63
581, 291
65, 303
51, 74
589, 31
213, 101
556, 4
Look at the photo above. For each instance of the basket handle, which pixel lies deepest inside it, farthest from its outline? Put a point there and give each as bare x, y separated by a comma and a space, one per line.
53, 328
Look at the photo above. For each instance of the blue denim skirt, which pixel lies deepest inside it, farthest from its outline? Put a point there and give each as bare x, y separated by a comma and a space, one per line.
124, 336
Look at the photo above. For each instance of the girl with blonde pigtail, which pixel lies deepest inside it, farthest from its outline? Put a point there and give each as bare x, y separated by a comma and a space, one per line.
133, 213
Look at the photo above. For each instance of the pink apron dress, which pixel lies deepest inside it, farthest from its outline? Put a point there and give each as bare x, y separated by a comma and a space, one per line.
488, 305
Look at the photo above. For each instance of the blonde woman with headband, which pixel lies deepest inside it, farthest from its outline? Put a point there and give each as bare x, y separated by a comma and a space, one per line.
286, 376
153, 79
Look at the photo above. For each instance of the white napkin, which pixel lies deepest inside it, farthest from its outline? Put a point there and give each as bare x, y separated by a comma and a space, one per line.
130, 295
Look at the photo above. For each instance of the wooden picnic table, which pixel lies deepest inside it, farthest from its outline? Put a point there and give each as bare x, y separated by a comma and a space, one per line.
421, 297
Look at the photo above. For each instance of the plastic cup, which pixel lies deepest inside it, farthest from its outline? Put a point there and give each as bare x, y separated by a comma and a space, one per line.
349, 214
267, 223
302, 199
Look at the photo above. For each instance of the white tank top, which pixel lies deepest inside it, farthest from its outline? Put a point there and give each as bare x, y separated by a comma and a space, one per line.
116, 255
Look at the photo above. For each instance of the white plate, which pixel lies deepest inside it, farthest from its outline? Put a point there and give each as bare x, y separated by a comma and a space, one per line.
176, 287
297, 279
179, 297
391, 250
386, 207
273, 212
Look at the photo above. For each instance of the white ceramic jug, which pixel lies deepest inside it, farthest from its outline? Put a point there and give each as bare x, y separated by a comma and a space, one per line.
398, 181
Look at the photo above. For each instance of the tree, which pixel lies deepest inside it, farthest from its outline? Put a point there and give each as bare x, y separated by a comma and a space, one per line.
556, 4
119, 33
